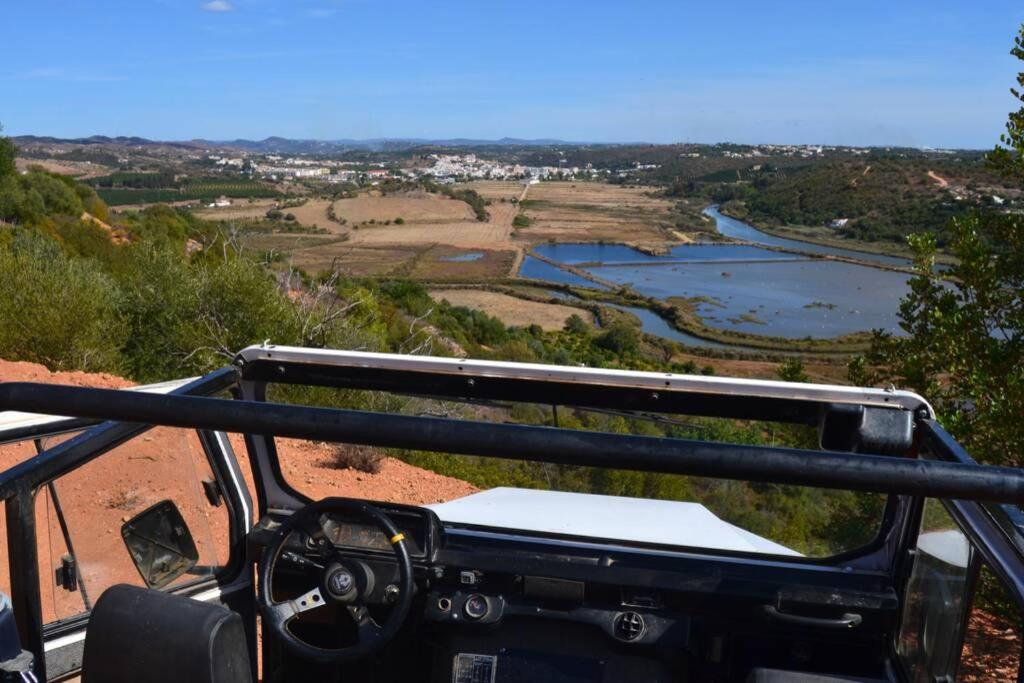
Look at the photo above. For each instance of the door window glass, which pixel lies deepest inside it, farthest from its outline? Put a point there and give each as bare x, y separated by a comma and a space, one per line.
82, 513
936, 599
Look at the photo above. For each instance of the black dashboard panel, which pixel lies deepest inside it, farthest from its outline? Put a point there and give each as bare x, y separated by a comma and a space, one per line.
359, 534
353, 534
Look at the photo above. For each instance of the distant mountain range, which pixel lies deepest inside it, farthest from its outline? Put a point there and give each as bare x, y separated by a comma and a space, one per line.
279, 145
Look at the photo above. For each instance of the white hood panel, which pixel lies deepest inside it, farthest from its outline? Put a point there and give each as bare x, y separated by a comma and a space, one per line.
604, 517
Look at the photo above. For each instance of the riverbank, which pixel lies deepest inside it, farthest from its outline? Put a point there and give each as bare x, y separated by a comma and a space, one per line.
677, 314
812, 235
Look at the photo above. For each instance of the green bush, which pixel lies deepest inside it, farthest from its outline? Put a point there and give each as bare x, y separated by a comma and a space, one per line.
59, 311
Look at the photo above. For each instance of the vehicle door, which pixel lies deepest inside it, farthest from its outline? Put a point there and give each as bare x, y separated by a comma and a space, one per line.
962, 588
89, 495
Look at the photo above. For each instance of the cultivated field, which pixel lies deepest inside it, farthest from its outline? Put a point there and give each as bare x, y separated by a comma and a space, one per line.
240, 209
512, 310
411, 207
448, 263
471, 234
589, 212
314, 214
496, 190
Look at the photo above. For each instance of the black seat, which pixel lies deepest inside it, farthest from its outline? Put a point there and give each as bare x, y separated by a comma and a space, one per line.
140, 635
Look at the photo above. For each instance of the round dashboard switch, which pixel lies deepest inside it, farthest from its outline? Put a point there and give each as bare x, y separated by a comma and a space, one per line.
476, 606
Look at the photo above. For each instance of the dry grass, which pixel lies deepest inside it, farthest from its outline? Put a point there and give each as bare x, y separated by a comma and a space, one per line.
818, 371
123, 499
469, 234
512, 310
77, 169
588, 212
436, 263
318, 253
238, 210
496, 190
356, 457
411, 207
314, 214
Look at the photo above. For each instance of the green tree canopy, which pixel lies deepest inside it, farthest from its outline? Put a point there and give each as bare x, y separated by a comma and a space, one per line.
964, 349
7, 154
1010, 159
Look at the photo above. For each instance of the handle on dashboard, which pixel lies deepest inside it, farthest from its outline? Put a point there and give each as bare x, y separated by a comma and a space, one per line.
848, 620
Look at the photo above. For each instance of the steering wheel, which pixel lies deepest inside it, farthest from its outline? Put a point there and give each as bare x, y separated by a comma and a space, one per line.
343, 581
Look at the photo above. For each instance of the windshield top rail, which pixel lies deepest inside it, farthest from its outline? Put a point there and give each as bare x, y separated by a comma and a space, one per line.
657, 392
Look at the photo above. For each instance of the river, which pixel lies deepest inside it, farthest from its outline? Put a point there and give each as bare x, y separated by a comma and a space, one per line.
743, 287
730, 227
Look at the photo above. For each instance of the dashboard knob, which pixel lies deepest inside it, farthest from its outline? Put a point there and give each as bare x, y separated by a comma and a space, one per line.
391, 593
476, 607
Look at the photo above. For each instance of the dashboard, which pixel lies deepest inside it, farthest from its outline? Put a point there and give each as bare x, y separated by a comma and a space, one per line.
667, 614
357, 534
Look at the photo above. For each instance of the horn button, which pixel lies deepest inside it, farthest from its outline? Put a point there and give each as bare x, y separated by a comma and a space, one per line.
344, 583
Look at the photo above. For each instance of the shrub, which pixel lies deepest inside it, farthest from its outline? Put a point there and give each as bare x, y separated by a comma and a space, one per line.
620, 339
59, 311
356, 457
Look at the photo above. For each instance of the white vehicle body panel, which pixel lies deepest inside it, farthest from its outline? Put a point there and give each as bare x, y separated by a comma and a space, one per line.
613, 518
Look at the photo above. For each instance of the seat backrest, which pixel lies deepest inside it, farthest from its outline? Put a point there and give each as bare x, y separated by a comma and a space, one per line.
140, 635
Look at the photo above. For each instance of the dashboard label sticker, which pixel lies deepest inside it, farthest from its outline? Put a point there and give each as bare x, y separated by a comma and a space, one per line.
470, 668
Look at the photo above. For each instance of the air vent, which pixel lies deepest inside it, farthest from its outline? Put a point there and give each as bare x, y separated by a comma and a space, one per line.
629, 626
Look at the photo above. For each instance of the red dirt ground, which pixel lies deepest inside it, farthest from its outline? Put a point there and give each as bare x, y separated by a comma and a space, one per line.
991, 649
169, 463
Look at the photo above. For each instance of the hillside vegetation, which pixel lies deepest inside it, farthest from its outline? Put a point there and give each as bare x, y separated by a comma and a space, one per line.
885, 200
864, 199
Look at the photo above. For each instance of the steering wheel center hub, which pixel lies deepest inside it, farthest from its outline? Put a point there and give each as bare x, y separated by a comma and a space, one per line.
340, 582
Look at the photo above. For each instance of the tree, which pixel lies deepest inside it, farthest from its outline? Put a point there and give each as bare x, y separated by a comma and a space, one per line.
792, 370
964, 343
621, 338
1011, 161
574, 324
7, 154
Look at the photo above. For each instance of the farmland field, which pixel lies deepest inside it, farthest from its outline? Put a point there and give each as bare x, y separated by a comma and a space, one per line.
411, 207
200, 191
448, 263
589, 212
434, 228
512, 310
239, 210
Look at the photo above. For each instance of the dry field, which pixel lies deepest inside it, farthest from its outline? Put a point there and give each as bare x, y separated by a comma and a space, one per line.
427, 219
320, 253
512, 310
237, 211
448, 263
496, 190
588, 212
82, 170
411, 207
314, 214
470, 234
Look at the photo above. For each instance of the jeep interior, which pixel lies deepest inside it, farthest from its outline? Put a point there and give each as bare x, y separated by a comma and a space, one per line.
238, 574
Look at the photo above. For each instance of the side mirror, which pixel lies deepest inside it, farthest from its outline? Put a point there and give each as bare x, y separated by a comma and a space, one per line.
160, 544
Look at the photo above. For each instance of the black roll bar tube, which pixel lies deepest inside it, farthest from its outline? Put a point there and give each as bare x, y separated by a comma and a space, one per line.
825, 469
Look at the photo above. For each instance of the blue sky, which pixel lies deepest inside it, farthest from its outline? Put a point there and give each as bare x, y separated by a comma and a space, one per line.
901, 72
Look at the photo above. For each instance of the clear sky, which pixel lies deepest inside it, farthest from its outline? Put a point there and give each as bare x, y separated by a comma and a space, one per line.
901, 72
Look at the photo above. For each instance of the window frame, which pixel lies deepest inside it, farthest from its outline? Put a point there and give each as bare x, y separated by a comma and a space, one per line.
20, 485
